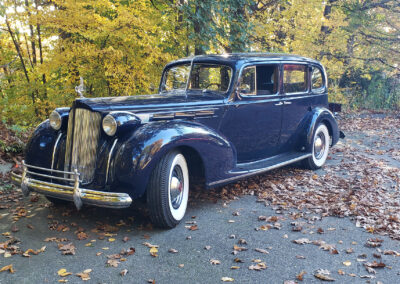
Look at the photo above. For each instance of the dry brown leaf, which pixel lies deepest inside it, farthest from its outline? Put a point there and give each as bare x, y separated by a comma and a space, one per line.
324, 275
81, 236
215, 261
123, 272
302, 241
261, 250
112, 262
68, 249
85, 275
258, 267
300, 275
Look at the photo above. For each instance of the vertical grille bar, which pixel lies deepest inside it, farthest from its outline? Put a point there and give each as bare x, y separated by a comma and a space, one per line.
82, 140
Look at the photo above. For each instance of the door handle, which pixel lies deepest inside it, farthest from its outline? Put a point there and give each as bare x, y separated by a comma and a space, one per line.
287, 103
279, 104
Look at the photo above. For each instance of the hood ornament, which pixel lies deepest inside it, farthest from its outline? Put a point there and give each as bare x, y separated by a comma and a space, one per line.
81, 88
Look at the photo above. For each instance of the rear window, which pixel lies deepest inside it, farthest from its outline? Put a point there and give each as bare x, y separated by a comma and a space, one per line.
294, 78
317, 81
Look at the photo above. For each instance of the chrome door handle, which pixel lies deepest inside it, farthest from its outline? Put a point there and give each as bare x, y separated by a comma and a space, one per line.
279, 104
287, 103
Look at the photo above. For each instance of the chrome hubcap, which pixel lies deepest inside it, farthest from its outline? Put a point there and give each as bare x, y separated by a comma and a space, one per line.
319, 145
176, 185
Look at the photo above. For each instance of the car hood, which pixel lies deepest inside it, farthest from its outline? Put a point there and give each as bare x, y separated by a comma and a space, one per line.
150, 103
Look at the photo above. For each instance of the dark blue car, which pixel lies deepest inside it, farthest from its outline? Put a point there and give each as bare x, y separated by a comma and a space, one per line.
215, 119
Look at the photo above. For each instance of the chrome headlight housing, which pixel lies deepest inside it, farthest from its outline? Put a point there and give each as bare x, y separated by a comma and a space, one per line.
55, 120
109, 125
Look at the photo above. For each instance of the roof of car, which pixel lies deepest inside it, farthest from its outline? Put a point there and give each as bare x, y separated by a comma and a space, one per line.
232, 58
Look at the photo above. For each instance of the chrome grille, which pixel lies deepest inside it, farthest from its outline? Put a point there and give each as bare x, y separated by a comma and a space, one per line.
82, 140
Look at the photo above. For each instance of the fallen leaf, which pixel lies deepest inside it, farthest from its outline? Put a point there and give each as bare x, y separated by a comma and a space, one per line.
324, 275
346, 263
111, 240
300, 275
82, 236
227, 279
207, 247
7, 267
125, 239
171, 250
302, 241
215, 261
149, 245
63, 280
84, 275
112, 262
68, 249
261, 250
235, 267
341, 272
193, 228
153, 251
123, 272
181, 265
258, 267
63, 272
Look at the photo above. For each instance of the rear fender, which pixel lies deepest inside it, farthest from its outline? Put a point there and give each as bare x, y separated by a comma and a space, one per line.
139, 153
317, 116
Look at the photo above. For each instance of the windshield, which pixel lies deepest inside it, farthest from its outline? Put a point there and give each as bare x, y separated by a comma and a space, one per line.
204, 77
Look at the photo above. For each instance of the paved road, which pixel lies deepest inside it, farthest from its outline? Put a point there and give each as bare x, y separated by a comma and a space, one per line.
221, 225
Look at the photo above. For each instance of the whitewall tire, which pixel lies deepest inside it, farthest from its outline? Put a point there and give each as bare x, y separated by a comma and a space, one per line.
319, 148
168, 190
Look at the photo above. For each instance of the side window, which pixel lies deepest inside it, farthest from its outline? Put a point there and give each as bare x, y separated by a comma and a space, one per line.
294, 78
260, 80
317, 82
176, 77
248, 81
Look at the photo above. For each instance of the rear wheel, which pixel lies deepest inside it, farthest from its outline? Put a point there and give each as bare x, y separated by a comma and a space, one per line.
320, 148
168, 190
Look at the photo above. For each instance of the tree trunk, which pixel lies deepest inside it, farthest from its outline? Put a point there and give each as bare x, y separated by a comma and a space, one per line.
17, 48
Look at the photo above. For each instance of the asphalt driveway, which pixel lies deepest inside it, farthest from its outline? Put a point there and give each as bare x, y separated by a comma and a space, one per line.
286, 225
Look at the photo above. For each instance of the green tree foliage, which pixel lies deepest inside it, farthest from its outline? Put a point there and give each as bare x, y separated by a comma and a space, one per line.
120, 47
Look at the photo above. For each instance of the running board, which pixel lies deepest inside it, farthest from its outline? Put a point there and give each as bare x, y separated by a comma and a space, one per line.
249, 169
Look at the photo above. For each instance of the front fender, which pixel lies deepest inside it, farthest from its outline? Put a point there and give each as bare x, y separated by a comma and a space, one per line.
139, 153
39, 149
322, 115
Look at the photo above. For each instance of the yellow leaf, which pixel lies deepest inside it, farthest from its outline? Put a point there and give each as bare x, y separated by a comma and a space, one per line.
63, 272
153, 251
235, 267
227, 279
7, 267
111, 240
347, 263
63, 280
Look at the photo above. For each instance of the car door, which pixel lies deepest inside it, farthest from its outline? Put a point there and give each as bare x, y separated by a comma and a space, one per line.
297, 101
253, 119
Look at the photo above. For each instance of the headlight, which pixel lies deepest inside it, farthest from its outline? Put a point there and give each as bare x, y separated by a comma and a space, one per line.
109, 125
55, 120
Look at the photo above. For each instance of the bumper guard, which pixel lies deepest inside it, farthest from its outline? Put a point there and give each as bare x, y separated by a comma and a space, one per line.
73, 193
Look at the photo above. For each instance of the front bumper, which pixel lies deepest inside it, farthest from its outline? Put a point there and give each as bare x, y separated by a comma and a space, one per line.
74, 193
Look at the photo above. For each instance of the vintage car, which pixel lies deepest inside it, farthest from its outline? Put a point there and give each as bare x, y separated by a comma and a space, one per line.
216, 119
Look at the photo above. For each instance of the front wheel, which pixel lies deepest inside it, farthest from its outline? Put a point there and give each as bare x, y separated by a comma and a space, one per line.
168, 190
320, 148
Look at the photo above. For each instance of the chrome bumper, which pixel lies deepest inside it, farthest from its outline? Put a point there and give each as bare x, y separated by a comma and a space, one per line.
74, 193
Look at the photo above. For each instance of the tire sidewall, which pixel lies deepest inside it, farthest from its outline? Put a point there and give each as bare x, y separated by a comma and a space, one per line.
178, 214
318, 163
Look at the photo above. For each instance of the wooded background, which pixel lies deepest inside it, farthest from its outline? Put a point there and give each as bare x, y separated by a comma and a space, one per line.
120, 47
